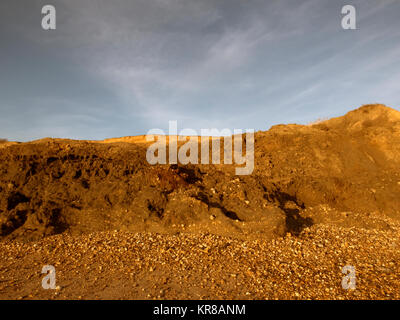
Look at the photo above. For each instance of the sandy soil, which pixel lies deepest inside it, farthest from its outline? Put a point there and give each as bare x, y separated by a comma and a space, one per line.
321, 196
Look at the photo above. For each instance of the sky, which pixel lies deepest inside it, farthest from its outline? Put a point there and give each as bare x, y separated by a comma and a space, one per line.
123, 67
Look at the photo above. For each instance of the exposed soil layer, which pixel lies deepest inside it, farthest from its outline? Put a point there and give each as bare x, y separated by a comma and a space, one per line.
331, 171
341, 176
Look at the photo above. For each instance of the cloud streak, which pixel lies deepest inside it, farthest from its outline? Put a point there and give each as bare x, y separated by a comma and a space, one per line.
122, 68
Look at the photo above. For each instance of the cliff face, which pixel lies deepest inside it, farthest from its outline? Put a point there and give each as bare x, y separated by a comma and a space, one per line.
343, 171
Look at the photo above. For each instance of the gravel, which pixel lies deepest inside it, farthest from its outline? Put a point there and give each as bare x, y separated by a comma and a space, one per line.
123, 265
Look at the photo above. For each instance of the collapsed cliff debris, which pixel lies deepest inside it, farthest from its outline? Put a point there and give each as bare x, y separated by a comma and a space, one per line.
343, 171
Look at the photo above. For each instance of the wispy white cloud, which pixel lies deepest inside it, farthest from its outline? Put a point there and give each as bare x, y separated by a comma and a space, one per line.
206, 63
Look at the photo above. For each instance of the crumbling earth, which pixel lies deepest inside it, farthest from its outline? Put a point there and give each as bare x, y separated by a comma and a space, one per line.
321, 196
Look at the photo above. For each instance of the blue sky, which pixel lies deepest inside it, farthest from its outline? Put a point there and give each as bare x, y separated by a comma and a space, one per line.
122, 68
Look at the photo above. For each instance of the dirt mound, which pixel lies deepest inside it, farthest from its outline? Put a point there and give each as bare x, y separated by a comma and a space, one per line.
367, 116
344, 171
